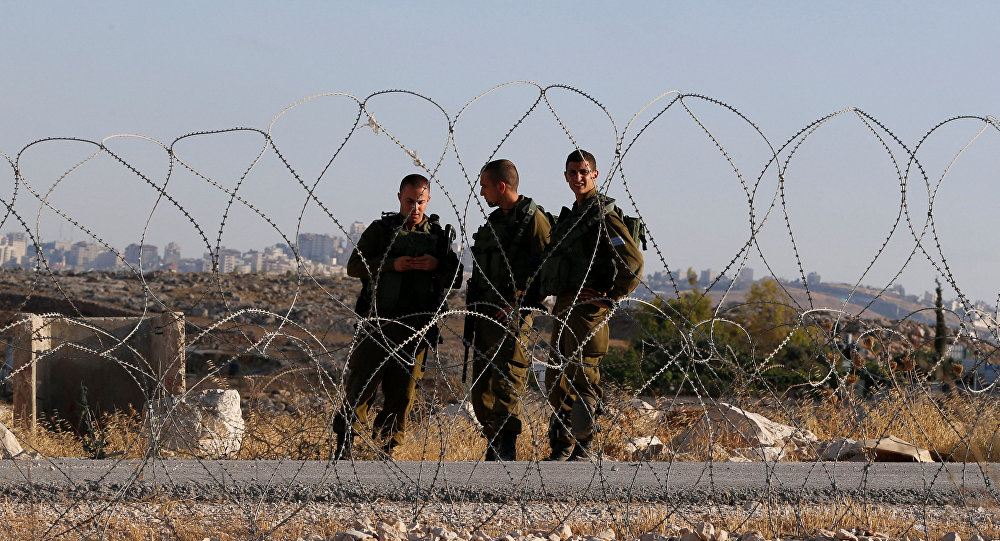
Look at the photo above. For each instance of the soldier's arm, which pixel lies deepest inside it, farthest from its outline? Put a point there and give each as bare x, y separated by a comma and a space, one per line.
369, 253
627, 258
538, 240
447, 273
538, 236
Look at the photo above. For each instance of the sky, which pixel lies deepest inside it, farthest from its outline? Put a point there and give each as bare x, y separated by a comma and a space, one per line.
156, 73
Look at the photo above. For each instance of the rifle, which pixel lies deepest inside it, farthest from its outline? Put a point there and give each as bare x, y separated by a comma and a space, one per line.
469, 329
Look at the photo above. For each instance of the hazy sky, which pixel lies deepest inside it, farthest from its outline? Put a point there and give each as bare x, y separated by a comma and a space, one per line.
164, 70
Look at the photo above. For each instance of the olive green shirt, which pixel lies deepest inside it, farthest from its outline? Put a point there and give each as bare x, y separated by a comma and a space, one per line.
507, 252
592, 248
402, 293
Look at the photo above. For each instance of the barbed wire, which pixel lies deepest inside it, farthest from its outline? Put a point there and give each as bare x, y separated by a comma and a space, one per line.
710, 380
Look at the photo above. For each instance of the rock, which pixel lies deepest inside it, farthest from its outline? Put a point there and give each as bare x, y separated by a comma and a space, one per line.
563, 531
846, 535
730, 423
364, 525
951, 536
357, 535
645, 410
451, 412
644, 448
606, 534
206, 423
652, 536
840, 449
720, 535
391, 531
759, 454
705, 530
893, 449
690, 536
738, 458
478, 535
752, 535
9, 446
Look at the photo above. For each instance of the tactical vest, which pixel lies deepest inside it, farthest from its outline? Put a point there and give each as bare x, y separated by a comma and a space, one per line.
502, 267
571, 263
401, 293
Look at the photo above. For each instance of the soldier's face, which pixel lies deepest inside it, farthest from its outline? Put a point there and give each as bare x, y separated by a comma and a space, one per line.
581, 177
490, 190
413, 202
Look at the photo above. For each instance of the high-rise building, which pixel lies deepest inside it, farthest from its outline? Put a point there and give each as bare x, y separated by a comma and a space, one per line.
317, 247
13, 248
357, 228
172, 254
84, 255
149, 254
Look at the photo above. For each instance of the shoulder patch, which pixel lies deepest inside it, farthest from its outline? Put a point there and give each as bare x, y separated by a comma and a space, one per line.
617, 241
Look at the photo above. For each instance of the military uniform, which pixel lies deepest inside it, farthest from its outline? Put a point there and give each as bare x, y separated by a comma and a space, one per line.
590, 247
507, 251
392, 308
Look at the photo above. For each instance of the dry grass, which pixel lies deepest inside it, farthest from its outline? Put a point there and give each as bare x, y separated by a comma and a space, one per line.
958, 427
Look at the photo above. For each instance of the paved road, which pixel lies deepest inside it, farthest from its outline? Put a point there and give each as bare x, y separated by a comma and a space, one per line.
681, 483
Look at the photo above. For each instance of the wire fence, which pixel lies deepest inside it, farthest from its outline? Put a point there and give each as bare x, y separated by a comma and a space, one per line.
151, 404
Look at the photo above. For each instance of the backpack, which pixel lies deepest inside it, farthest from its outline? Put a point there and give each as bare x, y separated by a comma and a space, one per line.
636, 227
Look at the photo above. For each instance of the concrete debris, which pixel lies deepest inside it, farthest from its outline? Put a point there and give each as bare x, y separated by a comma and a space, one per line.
893, 449
731, 425
9, 446
840, 449
644, 410
644, 448
760, 454
205, 423
462, 410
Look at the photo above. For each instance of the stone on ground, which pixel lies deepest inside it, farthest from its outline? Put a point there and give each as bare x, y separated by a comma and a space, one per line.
732, 425
205, 423
9, 446
893, 449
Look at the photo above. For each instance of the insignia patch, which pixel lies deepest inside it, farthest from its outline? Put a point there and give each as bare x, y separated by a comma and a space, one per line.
617, 241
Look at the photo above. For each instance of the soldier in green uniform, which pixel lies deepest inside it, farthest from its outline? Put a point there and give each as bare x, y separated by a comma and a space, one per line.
406, 266
507, 251
593, 262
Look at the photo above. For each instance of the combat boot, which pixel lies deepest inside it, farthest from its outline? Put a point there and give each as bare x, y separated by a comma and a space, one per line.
491, 451
582, 452
507, 446
560, 451
345, 447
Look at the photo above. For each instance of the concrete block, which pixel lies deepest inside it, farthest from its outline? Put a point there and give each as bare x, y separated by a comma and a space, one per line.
122, 362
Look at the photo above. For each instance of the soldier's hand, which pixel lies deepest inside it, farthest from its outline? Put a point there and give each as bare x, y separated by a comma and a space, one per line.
402, 264
425, 262
589, 295
504, 313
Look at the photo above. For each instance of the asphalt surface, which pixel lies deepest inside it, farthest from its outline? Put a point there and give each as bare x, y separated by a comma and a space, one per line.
455, 482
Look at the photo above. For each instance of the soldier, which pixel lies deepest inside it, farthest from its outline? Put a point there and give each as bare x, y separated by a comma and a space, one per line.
593, 263
406, 266
504, 285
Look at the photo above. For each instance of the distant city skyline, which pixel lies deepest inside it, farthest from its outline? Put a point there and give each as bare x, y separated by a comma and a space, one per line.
84, 77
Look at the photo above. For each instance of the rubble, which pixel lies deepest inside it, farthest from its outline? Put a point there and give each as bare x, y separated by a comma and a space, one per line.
743, 429
9, 446
644, 448
205, 423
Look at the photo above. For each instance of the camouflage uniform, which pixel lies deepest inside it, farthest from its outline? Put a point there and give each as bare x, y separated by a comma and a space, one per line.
392, 307
590, 247
507, 251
